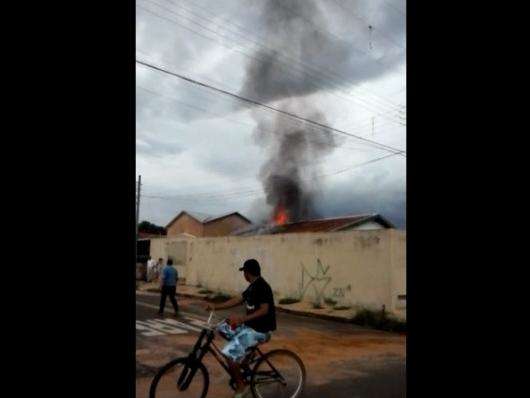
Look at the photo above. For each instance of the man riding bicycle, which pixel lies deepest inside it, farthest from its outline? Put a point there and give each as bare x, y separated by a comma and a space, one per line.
245, 332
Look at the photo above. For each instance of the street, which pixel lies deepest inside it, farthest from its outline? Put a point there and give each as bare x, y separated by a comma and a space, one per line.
342, 360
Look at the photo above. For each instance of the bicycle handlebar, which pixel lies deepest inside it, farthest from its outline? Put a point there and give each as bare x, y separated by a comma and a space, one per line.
210, 318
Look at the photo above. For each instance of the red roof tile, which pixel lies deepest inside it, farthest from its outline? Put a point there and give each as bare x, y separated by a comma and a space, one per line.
328, 224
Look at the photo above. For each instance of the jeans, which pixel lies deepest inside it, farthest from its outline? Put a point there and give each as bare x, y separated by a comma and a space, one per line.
170, 291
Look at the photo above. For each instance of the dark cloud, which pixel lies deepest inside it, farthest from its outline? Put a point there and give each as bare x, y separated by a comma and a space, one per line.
342, 200
330, 38
317, 59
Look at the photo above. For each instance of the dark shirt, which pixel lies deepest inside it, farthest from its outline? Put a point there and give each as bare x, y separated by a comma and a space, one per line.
259, 292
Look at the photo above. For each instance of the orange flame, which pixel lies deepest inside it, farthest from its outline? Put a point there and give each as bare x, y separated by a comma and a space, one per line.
280, 215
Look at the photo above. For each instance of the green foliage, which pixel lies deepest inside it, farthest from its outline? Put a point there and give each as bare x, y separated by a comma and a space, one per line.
341, 307
330, 301
379, 320
150, 228
288, 300
205, 291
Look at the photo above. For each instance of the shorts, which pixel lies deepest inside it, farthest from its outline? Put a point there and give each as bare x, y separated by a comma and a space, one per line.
240, 340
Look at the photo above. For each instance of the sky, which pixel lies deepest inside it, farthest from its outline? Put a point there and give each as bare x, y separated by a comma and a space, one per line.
202, 151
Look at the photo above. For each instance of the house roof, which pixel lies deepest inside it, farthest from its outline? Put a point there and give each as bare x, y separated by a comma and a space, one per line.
195, 215
204, 218
319, 225
217, 218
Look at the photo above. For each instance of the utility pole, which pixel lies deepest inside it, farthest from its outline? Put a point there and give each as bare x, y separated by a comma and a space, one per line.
138, 204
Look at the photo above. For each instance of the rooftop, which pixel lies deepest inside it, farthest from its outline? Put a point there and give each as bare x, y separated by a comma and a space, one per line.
318, 225
206, 218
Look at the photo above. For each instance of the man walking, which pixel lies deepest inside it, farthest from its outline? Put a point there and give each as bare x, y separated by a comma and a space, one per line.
244, 332
168, 287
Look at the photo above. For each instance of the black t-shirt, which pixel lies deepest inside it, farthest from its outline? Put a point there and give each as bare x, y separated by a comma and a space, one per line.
259, 292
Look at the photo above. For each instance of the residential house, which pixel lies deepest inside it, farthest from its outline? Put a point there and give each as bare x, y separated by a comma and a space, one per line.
203, 225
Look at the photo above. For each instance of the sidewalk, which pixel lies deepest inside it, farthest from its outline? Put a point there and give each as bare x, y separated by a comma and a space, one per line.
299, 308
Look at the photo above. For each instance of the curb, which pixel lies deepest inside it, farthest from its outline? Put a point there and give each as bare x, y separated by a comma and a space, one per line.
188, 295
313, 315
285, 310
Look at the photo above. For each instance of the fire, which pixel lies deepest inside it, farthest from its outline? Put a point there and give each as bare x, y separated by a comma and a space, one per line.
280, 215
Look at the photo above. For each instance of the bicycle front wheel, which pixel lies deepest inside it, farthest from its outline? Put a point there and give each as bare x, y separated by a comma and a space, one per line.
172, 381
279, 374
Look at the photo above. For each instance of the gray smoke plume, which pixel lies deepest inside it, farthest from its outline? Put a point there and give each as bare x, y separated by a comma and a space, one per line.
290, 176
299, 28
311, 58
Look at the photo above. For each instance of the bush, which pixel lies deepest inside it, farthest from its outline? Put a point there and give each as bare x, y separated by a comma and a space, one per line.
365, 317
288, 300
341, 307
317, 306
205, 291
330, 301
379, 320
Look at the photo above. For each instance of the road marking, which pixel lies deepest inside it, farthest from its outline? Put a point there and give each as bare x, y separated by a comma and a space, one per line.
147, 331
158, 327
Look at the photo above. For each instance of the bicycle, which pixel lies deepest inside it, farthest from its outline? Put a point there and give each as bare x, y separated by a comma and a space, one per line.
276, 374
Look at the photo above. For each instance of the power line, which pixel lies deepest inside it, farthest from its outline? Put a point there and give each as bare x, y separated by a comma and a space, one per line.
154, 92
393, 7
289, 65
298, 123
252, 192
239, 28
358, 17
221, 84
282, 4
253, 102
399, 120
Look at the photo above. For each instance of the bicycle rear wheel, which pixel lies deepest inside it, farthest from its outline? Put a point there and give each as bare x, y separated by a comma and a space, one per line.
279, 374
165, 384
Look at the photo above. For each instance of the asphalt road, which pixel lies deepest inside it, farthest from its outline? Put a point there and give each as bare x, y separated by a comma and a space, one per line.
342, 360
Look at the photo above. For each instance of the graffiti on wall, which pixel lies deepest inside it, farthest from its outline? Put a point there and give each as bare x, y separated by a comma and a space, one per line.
340, 292
318, 281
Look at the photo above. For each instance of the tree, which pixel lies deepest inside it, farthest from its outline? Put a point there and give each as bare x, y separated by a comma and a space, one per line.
150, 228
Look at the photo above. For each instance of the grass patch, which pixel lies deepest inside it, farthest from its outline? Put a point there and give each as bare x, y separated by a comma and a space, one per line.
330, 301
379, 320
288, 300
341, 307
317, 306
205, 291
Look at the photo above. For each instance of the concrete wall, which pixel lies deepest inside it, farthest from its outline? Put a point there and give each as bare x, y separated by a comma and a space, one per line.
224, 226
175, 248
399, 272
358, 268
185, 224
